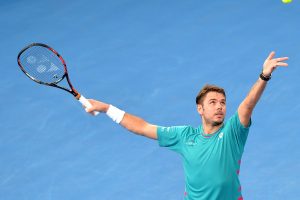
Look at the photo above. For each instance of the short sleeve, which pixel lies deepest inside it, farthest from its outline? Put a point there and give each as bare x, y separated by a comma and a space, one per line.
171, 137
239, 131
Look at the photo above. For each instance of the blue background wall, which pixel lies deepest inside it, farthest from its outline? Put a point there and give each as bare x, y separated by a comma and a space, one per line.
149, 58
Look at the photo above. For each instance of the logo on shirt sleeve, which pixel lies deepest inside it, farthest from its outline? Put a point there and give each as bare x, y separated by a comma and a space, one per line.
166, 129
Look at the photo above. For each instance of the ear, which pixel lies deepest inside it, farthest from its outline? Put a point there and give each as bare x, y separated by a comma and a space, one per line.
200, 109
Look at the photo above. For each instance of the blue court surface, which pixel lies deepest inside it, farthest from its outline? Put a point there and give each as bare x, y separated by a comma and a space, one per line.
149, 58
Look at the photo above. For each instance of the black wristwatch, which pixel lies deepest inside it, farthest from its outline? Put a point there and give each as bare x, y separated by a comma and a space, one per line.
264, 77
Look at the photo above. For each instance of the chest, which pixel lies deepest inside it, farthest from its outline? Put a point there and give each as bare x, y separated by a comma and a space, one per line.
216, 150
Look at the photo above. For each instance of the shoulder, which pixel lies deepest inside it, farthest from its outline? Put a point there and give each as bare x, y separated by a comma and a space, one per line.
235, 121
177, 129
234, 125
173, 136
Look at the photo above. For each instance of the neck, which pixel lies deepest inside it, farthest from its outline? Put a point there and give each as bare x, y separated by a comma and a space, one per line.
210, 128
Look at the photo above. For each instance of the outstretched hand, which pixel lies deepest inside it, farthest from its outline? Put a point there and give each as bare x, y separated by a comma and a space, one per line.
272, 63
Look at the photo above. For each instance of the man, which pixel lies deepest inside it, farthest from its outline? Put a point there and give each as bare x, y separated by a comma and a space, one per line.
212, 152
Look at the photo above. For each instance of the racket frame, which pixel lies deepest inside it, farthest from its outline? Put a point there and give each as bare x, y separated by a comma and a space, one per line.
72, 90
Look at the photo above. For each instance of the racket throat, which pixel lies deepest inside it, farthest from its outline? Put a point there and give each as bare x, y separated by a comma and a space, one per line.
76, 94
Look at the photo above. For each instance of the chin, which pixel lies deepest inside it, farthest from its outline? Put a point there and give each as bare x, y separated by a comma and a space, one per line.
217, 123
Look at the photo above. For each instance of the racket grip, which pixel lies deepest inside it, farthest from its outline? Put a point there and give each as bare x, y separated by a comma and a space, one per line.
86, 103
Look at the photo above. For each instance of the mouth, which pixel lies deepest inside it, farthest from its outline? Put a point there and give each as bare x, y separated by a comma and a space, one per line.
219, 114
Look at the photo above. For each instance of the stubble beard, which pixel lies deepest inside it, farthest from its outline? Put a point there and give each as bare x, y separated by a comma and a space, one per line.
217, 123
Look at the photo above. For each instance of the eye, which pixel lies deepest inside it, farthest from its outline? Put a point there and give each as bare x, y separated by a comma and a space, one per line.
212, 102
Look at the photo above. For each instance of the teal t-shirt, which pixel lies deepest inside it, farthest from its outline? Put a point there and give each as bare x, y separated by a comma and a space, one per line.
211, 161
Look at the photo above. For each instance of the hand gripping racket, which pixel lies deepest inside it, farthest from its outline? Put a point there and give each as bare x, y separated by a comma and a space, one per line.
44, 65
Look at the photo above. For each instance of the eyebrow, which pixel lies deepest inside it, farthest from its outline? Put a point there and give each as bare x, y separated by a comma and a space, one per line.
216, 100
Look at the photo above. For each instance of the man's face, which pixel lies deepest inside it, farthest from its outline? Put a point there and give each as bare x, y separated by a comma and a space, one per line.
213, 108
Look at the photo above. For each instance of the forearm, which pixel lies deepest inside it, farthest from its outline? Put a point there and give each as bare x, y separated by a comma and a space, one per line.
246, 107
254, 95
132, 123
139, 126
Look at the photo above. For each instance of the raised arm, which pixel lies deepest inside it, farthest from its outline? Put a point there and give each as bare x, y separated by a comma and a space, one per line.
246, 107
132, 123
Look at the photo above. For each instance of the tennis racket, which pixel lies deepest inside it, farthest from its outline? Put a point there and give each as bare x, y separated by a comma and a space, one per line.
44, 65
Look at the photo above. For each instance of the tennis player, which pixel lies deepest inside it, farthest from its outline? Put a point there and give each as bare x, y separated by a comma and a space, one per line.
212, 152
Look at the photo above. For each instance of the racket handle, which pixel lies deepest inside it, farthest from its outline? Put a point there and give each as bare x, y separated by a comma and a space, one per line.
86, 103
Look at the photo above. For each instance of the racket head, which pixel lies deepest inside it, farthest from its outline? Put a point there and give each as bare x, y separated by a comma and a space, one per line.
42, 64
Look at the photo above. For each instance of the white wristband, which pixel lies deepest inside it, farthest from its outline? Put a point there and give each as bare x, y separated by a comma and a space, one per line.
115, 113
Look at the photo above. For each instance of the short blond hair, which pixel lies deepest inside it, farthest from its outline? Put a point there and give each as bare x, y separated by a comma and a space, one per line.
206, 89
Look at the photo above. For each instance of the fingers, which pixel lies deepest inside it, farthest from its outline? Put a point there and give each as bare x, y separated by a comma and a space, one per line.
90, 110
96, 106
281, 59
271, 61
282, 64
271, 55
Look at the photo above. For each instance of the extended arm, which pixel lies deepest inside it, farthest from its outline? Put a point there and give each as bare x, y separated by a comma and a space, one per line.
246, 107
132, 123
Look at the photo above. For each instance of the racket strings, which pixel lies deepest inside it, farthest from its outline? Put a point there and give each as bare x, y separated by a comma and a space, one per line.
42, 65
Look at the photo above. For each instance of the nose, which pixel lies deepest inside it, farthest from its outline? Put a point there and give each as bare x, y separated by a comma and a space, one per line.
220, 106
